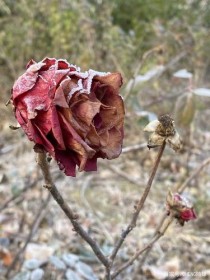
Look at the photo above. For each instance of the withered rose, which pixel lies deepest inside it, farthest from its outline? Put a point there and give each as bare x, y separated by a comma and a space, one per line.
163, 130
180, 207
76, 117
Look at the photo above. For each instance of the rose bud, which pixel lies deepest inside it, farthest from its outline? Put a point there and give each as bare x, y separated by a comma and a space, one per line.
163, 130
75, 116
179, 207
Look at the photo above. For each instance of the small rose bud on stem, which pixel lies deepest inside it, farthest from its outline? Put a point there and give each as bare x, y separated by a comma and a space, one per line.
162, 130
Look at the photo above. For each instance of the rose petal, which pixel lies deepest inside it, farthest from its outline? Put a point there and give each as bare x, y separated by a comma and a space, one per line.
114, 80
187, 214
86, 111
152, 126
66, 162
56, 129
114, 146
91, 164
24, 83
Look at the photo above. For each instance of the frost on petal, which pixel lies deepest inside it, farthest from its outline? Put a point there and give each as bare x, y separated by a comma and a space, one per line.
24, 83
112, 79
152, 126
75, 116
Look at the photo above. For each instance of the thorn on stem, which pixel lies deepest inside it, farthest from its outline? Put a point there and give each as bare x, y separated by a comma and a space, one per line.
14, 127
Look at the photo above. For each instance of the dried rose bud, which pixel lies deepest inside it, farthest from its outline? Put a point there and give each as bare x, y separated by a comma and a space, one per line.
76, 117
180, 208
162, 130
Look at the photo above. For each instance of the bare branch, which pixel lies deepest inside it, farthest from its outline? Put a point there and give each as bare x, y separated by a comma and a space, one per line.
15, 196
141, 251
35, 225
180, 189
73, 217
134, 148
138, 206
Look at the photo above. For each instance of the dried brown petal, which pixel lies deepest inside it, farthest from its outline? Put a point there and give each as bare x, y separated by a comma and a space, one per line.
174, 142
155, 140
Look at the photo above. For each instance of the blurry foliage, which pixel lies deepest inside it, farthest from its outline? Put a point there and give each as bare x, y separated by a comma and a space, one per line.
108, 36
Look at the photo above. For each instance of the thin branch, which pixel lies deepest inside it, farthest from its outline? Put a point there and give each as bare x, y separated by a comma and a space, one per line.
84, 187
134, 148
35, 225
121, 173
141, 251
15, 196
193, 175
180, 189
73, 217
139, 205
139, 66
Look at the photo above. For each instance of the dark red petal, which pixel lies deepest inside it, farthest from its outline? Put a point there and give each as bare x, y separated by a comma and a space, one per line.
59, 98
48, 62
56, 129
22, 119
63, 64
43, 121
91, 164
38, 97
187, 214
40, 138
24, 83
66, 162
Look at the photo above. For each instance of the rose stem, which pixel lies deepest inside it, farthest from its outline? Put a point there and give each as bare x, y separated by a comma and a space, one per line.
73, 217
141, 251
180, 189
139, 205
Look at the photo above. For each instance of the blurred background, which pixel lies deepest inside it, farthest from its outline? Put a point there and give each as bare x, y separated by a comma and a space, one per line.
161, 48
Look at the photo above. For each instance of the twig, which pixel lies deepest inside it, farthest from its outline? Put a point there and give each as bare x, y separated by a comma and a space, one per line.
73, 217
141, 251
85, 185
35, 225
180, 189
26, 188
144, 57
134, 148
139, 205
193, 175
121, 173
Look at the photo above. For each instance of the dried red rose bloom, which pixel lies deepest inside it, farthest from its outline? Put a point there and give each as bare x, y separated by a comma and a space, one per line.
76, 117
180, 208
